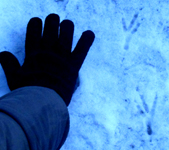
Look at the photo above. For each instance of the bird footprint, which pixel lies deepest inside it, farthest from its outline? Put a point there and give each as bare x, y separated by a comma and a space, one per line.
130, 29
150, 113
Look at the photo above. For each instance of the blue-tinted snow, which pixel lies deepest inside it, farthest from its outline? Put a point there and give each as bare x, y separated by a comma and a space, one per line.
123, 99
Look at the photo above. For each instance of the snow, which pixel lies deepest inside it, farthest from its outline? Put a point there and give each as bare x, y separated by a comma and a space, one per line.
122, 102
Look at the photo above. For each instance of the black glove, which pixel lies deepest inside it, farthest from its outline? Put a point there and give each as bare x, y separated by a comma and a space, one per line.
49, 61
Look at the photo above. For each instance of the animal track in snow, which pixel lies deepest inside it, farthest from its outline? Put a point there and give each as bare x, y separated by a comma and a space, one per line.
131, 29
149, 113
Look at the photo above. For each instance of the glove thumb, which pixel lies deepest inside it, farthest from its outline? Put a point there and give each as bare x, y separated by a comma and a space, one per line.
10, 65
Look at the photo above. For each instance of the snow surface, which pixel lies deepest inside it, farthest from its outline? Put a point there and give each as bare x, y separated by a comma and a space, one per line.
123, 99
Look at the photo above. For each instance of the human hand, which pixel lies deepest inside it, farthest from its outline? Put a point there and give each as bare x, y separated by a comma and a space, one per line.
49, 61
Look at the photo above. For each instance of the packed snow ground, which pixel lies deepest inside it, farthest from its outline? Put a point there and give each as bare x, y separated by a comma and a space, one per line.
122, 102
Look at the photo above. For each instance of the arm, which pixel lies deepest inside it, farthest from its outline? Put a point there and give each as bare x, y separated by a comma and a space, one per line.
43, 86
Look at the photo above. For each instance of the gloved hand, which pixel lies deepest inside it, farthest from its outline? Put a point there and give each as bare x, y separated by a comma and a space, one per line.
49, 61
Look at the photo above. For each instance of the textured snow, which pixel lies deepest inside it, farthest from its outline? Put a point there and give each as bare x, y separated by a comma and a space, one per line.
122, 102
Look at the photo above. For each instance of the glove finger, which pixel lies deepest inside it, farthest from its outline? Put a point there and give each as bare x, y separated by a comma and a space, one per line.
33, 36
65, 37
10, 65
81, 49
50, 33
